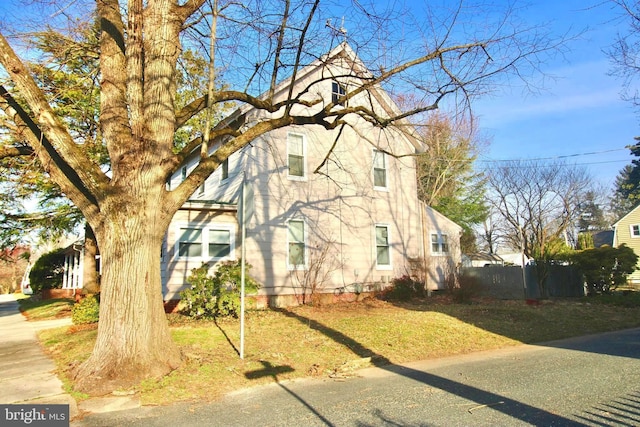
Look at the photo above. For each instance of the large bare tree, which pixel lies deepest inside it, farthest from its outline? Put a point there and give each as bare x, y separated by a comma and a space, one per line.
436, 56
538, 204
624, 53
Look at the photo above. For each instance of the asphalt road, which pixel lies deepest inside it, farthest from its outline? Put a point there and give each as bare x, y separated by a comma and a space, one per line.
593, 381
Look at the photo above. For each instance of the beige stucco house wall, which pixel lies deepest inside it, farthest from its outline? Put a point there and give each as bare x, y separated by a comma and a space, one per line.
332, 208
627, 231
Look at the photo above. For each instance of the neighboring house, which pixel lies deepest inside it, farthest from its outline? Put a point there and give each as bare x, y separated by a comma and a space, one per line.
514, 258
72, 277
602, 238
481, 259
627, 231
73, 265
331, 209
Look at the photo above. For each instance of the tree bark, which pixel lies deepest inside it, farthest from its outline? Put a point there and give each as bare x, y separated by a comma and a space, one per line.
134, 340
90, 274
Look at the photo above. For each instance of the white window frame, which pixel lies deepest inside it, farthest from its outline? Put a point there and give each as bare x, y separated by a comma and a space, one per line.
303, 266
442, 240
631, 231
205, 231
338, 91
224, 170
385, 168
388, 245
302, 177
183, 174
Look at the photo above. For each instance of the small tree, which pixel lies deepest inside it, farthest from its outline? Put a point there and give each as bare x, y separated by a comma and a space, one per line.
605, 268
537, 203
322, 261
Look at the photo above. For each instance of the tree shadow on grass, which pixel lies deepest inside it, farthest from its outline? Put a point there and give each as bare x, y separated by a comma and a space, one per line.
502, 317
512, 408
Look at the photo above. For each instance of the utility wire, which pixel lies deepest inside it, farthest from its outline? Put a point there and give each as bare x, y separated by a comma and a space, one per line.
567, 156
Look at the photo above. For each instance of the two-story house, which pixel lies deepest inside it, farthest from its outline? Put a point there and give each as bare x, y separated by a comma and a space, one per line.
627, 231
333, 210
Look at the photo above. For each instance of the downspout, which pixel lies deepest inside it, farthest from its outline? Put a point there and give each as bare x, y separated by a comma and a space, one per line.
422, 206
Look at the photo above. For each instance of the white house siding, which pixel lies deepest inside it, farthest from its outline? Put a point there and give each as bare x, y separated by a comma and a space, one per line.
438, 264
340, 210
339, 204
176, 269
624, 234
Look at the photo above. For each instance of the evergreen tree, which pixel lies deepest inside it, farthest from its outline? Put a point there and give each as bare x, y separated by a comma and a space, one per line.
626, 195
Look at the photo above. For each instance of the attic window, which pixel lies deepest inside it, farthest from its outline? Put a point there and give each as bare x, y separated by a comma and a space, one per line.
338, 92
225, 169
635, 230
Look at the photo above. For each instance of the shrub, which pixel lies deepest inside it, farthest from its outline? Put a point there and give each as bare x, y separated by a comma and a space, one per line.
404, 288
86, 310
217, 295
605, 268
47, 271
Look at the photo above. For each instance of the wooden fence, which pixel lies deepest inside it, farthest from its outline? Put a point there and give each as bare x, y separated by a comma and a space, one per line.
509, 282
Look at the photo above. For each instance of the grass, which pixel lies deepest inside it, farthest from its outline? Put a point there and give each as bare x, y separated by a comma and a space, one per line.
334, 341
45, 309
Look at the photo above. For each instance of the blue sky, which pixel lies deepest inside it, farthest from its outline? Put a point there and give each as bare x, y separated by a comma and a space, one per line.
579, 112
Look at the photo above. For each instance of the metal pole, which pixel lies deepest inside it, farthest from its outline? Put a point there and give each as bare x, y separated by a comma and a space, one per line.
242, 265
524, 275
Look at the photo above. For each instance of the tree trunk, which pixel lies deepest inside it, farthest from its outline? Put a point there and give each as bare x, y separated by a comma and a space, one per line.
134, 340
90, 274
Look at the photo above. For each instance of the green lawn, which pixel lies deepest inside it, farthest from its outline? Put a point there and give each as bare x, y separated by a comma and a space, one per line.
335, 340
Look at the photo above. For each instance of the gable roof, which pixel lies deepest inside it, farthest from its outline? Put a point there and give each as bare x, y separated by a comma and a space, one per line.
632, 211
439, 218
485, 256
359, 70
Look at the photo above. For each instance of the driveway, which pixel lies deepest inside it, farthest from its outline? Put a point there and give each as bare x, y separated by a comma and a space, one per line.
591, 381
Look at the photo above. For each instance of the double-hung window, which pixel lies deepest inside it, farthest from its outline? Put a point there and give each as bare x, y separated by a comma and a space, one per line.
296, 244
439, 244
383, 248
190, 243
635, 230
338, 92
219, 243
214, 242
379, 170
296, 156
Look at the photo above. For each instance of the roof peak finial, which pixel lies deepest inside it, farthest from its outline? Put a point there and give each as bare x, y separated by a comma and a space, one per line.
341, 30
